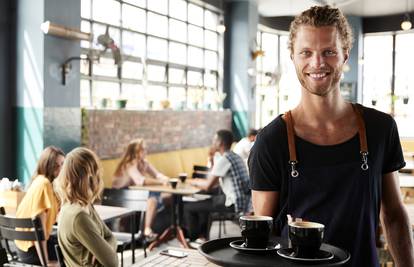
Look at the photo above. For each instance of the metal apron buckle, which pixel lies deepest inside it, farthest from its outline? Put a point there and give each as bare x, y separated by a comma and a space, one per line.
364, 165
294, 173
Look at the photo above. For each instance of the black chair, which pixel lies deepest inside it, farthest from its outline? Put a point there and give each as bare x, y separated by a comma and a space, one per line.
59, 256
200, 171
135, 200
26, 229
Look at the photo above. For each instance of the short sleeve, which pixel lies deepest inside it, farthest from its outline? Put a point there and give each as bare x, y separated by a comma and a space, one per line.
262, 166
394, 158
221, 167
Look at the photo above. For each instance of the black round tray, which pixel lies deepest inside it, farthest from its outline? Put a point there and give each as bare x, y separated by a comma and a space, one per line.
219, 252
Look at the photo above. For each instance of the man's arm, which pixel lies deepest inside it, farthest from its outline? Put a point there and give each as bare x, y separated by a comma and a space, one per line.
396, 222
265, 202
205, 184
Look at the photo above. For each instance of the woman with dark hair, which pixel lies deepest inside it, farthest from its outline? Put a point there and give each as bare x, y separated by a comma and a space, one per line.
40, 200
84, 238
134, 169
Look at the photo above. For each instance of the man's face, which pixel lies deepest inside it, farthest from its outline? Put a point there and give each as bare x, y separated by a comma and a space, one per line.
216, 143
318, 57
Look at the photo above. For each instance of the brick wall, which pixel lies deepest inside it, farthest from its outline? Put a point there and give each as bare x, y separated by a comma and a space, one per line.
107, 132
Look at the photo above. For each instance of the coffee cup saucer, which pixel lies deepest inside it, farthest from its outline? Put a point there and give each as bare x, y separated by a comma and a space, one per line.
290, 254
241, 247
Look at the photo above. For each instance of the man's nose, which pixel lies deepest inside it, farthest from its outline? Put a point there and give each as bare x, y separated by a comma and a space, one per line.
317, 60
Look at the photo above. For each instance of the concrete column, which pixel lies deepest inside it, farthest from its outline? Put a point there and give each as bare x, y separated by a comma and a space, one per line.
47, 113
241, 18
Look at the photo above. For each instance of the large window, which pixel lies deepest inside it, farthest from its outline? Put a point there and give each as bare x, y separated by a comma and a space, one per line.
277, 88
378, 90
171, 54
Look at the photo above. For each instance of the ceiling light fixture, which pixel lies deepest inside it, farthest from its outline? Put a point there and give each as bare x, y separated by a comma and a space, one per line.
406, 23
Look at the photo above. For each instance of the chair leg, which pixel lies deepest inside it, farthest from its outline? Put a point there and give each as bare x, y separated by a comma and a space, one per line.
220, 228
122, 258
224, 227
145, 248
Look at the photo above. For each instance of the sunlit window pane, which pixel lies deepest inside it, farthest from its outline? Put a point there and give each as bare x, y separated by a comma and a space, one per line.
195, 35
102, 90
404, 84
178, 30
85, 27
178, 9
140, 3
156, 94
85, 93
177, 97
178, 53
270, 46
211, 40
135, 95
133, 44
156, 73
377, 72
86, 9
99, 29
211, 20
132, 70
157, 48
105, 67
159, 6
195, 97
210, 79
195, 14
176, 76
107, 11
133, 18
195, 78
157, 25
211, 60
195, 57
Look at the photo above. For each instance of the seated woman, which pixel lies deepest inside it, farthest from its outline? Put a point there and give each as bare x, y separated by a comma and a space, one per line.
40, 200
83, 237
134, 169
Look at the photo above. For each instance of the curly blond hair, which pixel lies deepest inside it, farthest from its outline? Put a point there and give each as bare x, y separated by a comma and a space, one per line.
80, 179
319, 16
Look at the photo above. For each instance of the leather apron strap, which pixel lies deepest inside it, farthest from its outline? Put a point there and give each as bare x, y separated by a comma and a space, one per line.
292, 146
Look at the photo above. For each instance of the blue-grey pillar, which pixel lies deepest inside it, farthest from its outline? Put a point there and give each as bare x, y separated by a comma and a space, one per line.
241, 18
62, 116
354, 75
48, 113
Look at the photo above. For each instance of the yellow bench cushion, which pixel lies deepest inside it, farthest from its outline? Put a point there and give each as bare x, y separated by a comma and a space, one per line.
407, 145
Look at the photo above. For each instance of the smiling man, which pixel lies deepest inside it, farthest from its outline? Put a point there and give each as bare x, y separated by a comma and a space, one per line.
328, 160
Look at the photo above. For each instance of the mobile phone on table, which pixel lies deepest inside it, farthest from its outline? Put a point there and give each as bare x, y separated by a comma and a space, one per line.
174, 253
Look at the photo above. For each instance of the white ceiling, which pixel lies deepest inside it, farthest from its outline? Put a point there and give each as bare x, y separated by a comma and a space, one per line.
365, 8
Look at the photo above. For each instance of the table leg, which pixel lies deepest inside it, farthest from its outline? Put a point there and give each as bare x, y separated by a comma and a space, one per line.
133, 236
167, 235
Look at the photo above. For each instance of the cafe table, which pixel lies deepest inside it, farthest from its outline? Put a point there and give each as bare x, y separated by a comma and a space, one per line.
175, 230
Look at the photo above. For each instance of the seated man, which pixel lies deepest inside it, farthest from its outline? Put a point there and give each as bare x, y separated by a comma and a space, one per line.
230, 172
242, 148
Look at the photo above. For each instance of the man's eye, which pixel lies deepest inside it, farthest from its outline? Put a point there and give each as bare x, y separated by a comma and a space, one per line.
330, 53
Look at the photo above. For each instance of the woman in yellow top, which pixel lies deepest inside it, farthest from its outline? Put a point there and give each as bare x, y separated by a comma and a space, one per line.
40, 200
83, 237
134, 169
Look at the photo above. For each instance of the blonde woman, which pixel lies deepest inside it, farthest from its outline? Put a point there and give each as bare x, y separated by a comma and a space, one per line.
134, 169
40, 200
84, 238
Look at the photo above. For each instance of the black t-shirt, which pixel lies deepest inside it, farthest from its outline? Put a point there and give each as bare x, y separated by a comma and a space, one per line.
269, 157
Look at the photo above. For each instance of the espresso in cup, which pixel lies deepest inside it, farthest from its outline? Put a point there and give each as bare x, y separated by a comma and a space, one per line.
173, 182
256, 230
306, 238
182, 176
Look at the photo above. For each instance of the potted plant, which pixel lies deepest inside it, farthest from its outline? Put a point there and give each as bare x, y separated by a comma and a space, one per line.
121, 103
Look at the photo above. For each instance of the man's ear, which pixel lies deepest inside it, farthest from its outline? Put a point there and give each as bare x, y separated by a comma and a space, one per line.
346, 55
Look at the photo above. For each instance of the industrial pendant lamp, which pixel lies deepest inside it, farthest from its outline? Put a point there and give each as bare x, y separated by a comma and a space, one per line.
406, 23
